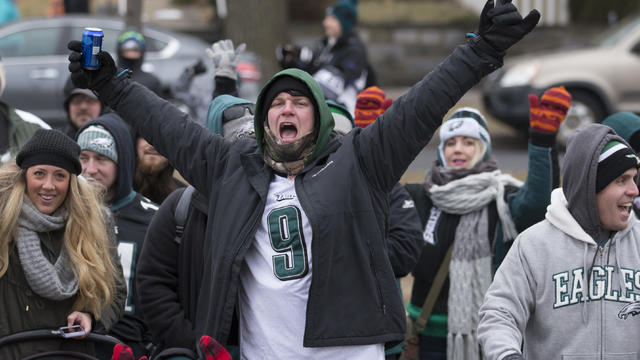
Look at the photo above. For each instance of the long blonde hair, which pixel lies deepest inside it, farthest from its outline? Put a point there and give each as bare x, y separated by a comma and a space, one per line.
86, 238
481, 149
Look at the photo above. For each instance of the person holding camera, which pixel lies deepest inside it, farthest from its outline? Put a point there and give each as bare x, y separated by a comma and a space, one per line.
58, 263
338, 61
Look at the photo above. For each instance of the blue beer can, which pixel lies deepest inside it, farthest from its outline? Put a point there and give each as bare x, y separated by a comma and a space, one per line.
91, 46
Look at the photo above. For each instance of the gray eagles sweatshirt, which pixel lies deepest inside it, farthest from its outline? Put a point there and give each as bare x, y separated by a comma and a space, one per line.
558, 293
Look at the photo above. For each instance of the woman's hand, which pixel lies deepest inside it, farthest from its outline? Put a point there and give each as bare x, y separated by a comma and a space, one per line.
80, 318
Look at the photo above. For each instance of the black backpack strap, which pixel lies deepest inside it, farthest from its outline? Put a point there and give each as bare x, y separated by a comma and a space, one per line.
182, 209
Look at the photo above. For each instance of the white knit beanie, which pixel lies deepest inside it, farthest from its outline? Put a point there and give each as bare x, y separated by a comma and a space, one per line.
468, 122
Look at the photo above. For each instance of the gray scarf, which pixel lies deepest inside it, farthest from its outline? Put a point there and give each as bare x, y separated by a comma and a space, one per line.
470, 267
51, 281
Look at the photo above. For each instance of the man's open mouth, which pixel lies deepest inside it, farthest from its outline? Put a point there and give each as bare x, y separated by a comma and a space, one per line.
288, 131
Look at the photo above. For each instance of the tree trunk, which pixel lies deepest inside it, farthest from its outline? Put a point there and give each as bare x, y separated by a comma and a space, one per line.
261, 24
133, 17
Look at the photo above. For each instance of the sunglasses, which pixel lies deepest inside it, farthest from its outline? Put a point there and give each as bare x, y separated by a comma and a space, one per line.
236, 111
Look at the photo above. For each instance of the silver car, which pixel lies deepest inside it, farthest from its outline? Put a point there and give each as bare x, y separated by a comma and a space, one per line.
34, 53
603, 79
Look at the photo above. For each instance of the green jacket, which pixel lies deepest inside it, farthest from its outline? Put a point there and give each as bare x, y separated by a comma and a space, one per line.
22, 125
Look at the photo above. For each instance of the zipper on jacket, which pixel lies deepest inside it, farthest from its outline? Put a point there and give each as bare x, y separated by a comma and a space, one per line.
601, 250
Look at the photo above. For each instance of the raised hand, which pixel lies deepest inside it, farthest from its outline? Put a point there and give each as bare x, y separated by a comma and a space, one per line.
89, 79
502, 26
225, 58
546, 114
370, 103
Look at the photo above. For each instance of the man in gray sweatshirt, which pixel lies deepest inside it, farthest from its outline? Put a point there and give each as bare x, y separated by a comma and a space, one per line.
570, 285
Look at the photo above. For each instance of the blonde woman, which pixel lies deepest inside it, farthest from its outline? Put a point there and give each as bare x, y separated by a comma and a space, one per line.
58, 265
472, 211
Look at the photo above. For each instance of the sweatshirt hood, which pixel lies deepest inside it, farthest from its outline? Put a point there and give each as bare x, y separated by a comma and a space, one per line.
558, 214
579, 175
217, 108
126, 155
625, 124
323, 114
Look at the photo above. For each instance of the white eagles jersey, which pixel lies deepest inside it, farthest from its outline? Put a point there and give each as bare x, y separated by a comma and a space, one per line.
274, 285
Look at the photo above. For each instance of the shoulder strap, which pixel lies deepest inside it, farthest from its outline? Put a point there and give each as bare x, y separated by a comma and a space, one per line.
436, 287
182, 209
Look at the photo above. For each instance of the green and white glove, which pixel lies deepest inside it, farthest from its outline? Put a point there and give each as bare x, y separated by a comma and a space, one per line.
225, 58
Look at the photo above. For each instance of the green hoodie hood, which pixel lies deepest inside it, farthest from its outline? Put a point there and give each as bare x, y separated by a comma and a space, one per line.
323, 111
217, 108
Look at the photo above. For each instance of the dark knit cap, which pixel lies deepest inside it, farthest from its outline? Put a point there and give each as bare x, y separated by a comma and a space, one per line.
291, 86
346, 12
615, 158
50, 147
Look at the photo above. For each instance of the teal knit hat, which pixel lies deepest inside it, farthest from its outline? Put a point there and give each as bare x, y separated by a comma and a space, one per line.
627, 125
346, 12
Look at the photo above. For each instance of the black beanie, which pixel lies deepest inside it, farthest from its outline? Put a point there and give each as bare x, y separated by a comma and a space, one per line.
290, 85
615, 158
50, 147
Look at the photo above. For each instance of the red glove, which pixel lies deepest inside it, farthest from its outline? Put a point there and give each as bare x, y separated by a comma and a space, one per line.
370, 104
547, 114
123, 352
210, 349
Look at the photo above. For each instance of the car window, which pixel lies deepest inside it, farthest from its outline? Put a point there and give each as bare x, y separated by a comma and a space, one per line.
33, 42
616, 33
110, 40
154, 45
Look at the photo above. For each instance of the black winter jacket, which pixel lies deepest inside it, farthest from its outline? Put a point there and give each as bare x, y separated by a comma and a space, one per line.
23, 309
348, 55
404, 240
169, 275
343, 189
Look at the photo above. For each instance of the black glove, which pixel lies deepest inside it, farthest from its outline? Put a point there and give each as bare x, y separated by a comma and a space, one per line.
502, 26
197, 68
89, 79
287, 54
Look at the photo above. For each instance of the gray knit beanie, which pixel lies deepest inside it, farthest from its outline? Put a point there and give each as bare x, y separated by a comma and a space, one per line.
97, 139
